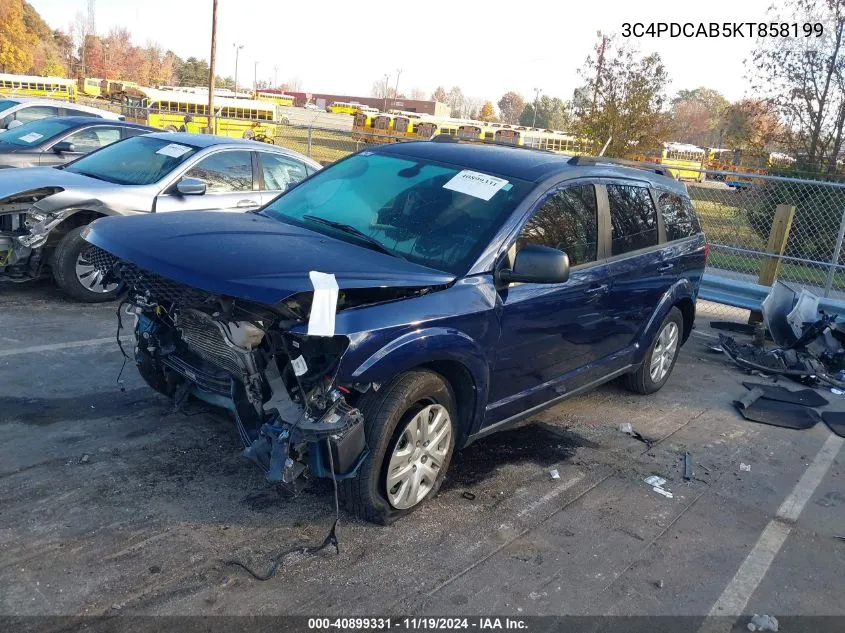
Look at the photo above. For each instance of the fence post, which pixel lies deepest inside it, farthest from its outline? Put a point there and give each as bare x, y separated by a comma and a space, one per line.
778, 236
837, 250
309, 142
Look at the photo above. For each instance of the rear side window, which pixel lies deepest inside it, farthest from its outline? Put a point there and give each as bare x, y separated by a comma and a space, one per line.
568, 222
633, 218
280, 171
224, 172
678, 216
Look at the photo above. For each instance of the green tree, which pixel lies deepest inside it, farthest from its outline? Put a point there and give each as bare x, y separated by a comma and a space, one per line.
698, 117
488, 113
511, 106
193, 72
552, 114
622, 99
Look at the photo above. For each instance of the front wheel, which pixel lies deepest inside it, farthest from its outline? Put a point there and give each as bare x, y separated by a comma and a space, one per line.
76, 274
410, 426
661, 356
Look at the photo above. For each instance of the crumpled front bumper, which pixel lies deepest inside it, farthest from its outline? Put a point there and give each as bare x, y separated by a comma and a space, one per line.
12, 252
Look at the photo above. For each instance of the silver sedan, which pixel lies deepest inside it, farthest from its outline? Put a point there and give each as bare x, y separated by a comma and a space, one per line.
43, 210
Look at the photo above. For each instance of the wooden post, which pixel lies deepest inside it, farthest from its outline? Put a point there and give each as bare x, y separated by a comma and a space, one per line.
211, 70
778, 237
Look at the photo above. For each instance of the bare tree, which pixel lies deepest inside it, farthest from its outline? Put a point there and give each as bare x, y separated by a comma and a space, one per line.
294, 84
417, 94
804, 79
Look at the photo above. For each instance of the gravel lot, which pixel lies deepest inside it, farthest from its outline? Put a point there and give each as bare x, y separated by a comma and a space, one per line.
110, 503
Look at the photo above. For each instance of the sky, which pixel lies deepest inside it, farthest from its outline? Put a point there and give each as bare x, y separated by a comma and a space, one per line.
342, 47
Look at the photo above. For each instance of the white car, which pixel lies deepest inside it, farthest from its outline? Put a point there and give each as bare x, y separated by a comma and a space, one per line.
15, 111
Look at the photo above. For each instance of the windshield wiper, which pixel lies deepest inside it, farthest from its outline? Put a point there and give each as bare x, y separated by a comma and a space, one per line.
348, 228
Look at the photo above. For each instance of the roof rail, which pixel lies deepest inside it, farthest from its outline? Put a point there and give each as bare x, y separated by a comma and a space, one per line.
661, 170
449, 138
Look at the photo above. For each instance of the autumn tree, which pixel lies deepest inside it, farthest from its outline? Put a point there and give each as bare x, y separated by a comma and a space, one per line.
751, 125
511, 106
16, 41
552, 114
440, 95
488, 113
622, 99
803, 78
698, 117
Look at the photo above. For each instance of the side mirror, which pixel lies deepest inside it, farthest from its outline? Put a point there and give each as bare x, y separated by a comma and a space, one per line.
64, 146
190, 187
537, 265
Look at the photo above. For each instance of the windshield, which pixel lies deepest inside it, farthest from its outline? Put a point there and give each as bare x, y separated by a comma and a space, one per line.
415, 209
35, 132
6, 103
139, 160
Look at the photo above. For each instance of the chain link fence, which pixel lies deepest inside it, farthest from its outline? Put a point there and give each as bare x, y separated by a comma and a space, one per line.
751, 219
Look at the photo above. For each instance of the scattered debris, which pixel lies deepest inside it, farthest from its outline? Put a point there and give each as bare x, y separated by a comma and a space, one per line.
835, 421
716, 349
805, 397
836, 392
554, 474
155, 569
85, 459
627, 428
687, 466
745, 467
763, 623
656, 484
841, 537
659, 584
755, 407
730, 326
468, 495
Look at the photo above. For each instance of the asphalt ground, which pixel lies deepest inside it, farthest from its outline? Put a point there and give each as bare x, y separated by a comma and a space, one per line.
110, 503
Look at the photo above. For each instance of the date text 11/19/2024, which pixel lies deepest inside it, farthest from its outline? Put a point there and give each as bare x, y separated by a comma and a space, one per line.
417, 624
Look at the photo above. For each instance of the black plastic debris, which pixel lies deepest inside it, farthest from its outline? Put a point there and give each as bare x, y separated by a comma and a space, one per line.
687, 466
753, 406
804, 397
835, 421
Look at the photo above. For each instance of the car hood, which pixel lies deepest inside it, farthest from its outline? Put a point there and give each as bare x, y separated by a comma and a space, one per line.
249, 256
19, 181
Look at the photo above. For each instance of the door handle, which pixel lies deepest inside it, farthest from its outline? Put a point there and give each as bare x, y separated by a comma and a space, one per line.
247, 204
664, 267
596, 289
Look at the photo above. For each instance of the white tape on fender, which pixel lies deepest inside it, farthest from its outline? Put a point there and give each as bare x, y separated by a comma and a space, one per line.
324, 305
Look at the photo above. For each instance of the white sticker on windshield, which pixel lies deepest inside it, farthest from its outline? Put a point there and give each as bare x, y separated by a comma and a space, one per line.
323, 305
476, 184
31, 137
174, 150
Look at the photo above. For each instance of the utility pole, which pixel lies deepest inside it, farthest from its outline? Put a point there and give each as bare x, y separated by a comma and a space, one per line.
537, 92
275, 77
599, 66
255, 78
386, 83
238, 48
211, 64
396, 92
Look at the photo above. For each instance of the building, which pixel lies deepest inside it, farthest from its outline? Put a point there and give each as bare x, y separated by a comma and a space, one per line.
322, 99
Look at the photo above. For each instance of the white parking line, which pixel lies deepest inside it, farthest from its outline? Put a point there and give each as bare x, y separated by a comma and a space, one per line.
736, 595
564, 486
59, 346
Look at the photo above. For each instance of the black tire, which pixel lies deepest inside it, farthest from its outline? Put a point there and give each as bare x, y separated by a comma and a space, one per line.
64, 269
641, 381
386, 413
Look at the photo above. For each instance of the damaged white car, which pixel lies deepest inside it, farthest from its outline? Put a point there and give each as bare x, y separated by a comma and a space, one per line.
43, 210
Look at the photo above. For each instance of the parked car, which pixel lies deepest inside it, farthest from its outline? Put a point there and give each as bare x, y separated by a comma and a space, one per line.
43, 210
408, 300
58, 140
15, 111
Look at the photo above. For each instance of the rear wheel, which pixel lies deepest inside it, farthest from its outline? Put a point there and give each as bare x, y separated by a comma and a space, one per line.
76, 274
661, 356
410, 427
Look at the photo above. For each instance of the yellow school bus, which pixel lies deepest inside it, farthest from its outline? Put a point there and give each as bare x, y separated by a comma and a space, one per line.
31, 86
382, 128
166, 109
404, 123
90, 87
344, 107
275, 97
683, 160
470, 130
113, 90
362, 126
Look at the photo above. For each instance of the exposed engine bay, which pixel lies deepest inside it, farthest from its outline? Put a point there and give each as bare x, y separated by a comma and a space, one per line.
292, 416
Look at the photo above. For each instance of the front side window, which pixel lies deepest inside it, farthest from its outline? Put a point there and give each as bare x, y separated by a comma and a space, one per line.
224, 172
279, 171
633, 218
567, 221
93, 138
405, 205
678, 216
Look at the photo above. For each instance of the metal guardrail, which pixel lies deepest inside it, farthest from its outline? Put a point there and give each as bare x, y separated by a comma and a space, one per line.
749, 296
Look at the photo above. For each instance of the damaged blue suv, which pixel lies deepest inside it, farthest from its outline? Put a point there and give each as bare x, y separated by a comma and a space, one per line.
408, 300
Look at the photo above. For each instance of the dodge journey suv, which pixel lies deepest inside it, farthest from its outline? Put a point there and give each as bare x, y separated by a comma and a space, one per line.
408, 300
